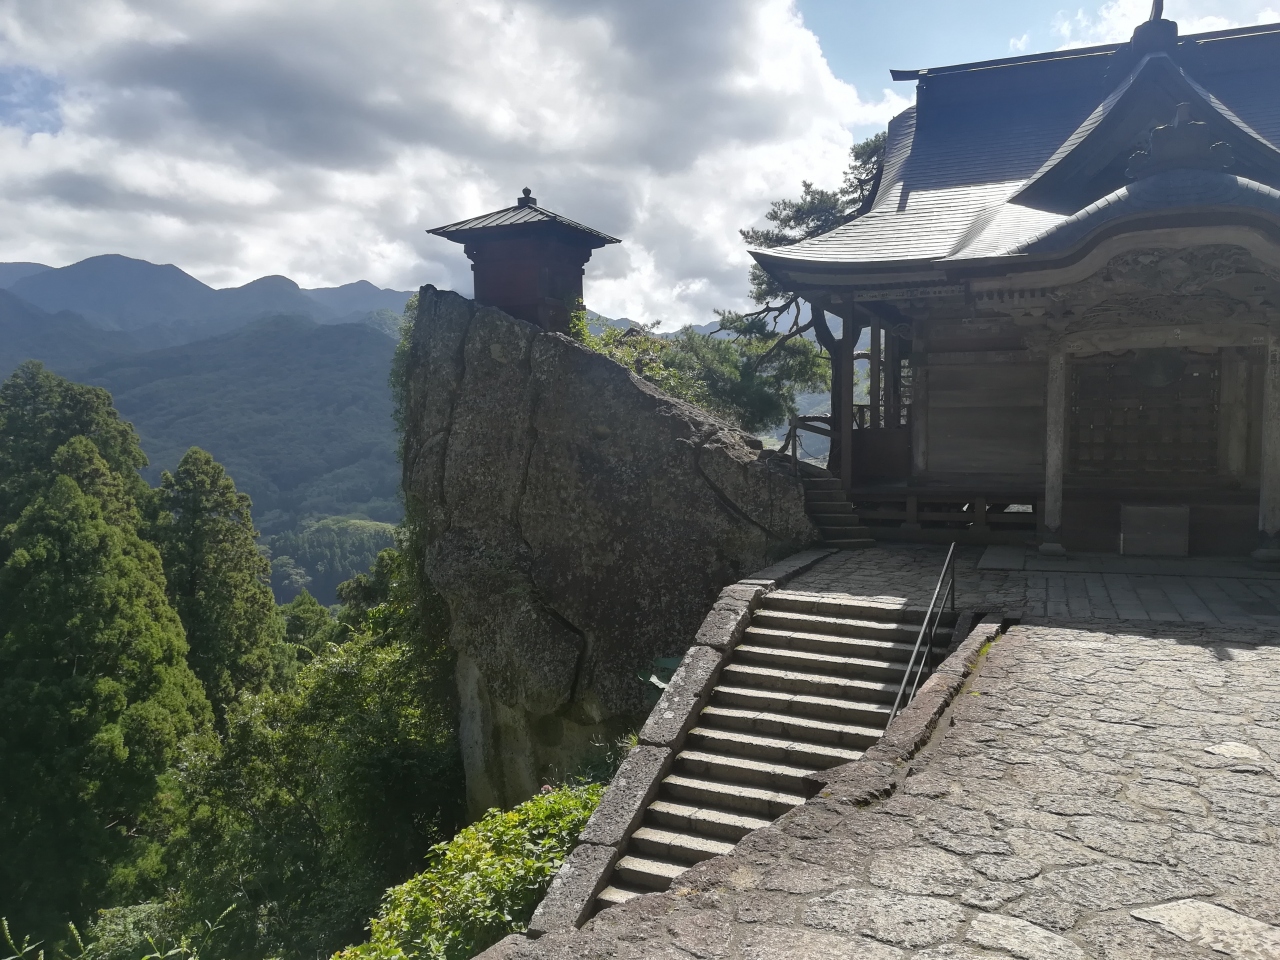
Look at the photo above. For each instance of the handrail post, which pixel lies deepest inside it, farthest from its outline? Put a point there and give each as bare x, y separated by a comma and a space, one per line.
934, 613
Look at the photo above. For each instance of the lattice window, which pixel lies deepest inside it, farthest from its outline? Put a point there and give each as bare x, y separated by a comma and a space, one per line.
1148, 412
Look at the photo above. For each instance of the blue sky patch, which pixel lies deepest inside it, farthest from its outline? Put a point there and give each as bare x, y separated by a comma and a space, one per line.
29, 100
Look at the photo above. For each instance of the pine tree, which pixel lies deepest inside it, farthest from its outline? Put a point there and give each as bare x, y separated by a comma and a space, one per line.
95, 691
218, 580
39, 412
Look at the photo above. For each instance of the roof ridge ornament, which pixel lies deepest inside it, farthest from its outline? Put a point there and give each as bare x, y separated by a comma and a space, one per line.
1183, 144
1155, 34
528, 200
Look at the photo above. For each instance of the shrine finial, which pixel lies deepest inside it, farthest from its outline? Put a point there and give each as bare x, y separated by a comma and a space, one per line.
1157, 10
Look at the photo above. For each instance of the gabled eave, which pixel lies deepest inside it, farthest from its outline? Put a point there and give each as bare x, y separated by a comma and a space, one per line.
1091, 162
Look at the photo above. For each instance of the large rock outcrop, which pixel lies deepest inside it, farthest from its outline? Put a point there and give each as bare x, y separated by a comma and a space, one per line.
579, 522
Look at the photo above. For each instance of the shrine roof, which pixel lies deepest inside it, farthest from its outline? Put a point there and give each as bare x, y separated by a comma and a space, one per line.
1172, 190
995, 154
524, 214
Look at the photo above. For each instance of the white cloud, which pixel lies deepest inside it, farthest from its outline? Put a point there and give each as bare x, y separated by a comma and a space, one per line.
1114, 22
1019, 44
319, 140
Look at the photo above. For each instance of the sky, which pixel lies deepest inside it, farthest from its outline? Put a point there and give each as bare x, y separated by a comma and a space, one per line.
320, 139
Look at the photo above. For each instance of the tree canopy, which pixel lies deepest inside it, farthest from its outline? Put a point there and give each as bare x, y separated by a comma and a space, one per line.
95, 692
39, 412
816, 212
218, 580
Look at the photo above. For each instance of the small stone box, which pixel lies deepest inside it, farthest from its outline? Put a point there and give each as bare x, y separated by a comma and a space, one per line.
1154, 531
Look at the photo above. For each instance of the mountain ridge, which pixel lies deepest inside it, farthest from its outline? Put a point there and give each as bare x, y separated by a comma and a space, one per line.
162, 305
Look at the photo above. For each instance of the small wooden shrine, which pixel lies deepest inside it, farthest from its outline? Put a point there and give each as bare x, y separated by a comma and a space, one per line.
527, 261
1070, 270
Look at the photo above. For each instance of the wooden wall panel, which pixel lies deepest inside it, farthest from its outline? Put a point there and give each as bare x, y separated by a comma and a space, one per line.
987, 419
987, 385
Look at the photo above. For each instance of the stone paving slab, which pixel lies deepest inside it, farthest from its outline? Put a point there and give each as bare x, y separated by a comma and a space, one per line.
1098, 790
1004, 557
905, 575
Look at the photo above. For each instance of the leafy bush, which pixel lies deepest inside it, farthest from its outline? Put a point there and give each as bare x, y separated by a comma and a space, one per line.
749, 374
318, 798
481, 885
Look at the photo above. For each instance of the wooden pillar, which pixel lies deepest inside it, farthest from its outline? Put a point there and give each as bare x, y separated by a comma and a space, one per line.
913, 514
873, 393
1233, 415
1055, 444
1269, 494
919, 412
979, 508
844, 422
892, 386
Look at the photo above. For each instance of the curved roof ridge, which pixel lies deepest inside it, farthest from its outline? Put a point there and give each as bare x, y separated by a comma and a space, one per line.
1180, 190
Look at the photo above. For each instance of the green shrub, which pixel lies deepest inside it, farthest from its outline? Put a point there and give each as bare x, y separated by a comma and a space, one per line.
481, 885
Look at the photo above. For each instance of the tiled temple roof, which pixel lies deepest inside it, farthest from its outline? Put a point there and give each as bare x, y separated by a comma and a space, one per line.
995, 155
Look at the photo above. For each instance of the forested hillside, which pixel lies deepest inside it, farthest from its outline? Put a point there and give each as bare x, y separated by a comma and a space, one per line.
191, 771
300, 413
297, 405
65, 341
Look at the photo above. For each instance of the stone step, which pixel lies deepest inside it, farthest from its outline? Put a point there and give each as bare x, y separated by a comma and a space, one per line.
862, 543
822, 483
755, 801
810, 684
775, 749
702, 820
842, 521
768, 723
820, 495
830, 533
858, 713
826, 644
676, 846
732, 768
826, 664
827, 605
810, 623
818, 509
647, 873
616, 893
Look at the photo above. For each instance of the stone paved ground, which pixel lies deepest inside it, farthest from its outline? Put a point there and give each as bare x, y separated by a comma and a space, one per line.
1085, 774
905, 573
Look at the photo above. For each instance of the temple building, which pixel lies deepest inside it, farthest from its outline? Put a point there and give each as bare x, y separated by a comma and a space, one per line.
1070, 271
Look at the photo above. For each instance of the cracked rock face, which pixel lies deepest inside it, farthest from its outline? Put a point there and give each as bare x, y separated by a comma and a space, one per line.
579, 522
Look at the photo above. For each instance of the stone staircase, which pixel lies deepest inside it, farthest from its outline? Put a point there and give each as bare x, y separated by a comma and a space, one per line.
809, 687
833, 514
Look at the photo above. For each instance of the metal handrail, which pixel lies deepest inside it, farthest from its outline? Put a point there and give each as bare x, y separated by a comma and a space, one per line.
928, 628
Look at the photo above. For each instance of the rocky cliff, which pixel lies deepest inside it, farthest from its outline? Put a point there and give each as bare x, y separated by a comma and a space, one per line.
579, 522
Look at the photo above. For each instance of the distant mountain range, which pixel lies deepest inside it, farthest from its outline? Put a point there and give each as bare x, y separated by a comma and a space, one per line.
160, 305
286, 387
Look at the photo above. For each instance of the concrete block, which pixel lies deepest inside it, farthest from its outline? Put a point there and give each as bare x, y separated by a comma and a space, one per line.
632, 789
573, 892
687, 693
